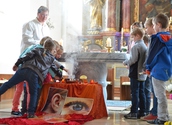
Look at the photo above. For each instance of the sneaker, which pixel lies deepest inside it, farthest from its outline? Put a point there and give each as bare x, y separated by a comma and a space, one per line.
156, 121
141, 115
149, 117
30, 115
16, 113
131, 116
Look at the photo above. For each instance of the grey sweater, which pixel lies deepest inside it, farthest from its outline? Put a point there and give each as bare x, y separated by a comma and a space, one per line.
136, 61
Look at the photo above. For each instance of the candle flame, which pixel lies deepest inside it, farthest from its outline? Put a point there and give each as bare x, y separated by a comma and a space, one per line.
61, 42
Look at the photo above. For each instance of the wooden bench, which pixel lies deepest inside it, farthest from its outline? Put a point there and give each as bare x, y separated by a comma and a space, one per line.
10, 92
125, 93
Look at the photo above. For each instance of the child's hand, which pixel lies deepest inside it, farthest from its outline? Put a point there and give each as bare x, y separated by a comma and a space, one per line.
147, 72
15, 68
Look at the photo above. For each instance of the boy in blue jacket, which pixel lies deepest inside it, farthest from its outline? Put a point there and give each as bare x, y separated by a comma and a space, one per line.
159, 65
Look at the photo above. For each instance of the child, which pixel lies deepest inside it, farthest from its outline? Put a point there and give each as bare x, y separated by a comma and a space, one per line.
54, 70
153, 112
159, 65
58, 75
135, 63
34, 69
133, 26
148, 87
19, 87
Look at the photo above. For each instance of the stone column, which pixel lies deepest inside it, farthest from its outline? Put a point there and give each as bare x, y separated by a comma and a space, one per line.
111, 15
126, 15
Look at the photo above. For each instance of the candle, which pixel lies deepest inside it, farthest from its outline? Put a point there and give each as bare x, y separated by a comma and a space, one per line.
108, 42
122, 31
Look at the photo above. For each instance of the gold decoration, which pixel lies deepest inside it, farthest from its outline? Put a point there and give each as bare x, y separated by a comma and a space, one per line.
136, 10
126, 30
110, 29
93, 32
86, 43
99, 42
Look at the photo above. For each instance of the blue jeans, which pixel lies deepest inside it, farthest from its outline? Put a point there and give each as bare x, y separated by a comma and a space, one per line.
138, 96
155, 102
33, 81
148, 89
24, 101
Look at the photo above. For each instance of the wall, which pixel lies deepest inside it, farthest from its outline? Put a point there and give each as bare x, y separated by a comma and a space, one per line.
12, 16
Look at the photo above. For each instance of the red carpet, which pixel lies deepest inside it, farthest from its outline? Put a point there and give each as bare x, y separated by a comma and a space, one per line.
74, 119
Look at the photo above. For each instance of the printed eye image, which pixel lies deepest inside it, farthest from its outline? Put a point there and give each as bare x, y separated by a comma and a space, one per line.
77, 105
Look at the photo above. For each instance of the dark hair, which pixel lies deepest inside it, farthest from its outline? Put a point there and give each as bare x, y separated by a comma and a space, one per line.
49, 44
42, 9
146, 39
162, 19
137, 24
44, 39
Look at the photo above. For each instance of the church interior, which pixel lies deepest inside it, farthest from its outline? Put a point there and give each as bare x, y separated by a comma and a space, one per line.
95, 35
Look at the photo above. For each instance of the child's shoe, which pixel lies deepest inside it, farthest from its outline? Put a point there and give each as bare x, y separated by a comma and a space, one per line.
16, 113
131, 116
149, 117
30, 115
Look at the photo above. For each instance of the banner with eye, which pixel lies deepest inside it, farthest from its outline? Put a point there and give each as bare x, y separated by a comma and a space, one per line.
74, 105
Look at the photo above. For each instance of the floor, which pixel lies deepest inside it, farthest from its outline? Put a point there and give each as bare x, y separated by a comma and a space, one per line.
114, 117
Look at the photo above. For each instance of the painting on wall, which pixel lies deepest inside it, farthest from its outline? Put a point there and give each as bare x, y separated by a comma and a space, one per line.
150, 8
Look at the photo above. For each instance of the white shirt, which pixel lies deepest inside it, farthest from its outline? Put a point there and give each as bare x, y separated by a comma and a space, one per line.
32, 33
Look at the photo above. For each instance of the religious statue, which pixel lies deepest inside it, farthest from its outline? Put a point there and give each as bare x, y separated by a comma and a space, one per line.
96, 13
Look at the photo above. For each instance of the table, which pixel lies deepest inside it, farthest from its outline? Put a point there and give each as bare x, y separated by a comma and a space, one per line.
83, 90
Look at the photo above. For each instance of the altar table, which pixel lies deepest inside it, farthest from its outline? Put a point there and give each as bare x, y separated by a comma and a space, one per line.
84, 90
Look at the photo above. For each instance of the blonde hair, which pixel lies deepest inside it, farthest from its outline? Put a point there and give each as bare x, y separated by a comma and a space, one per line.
138, 31
57, 45
148, 22
44, 39
60, 51
49, 45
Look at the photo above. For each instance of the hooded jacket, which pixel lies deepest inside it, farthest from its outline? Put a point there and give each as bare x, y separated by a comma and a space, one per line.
159, 60
37, 61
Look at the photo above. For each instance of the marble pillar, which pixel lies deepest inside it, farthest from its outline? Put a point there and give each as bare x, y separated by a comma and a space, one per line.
111, 15
126, 15
93, 65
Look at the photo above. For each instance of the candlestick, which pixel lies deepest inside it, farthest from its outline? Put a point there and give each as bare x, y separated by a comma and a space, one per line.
109, 42
109, 49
